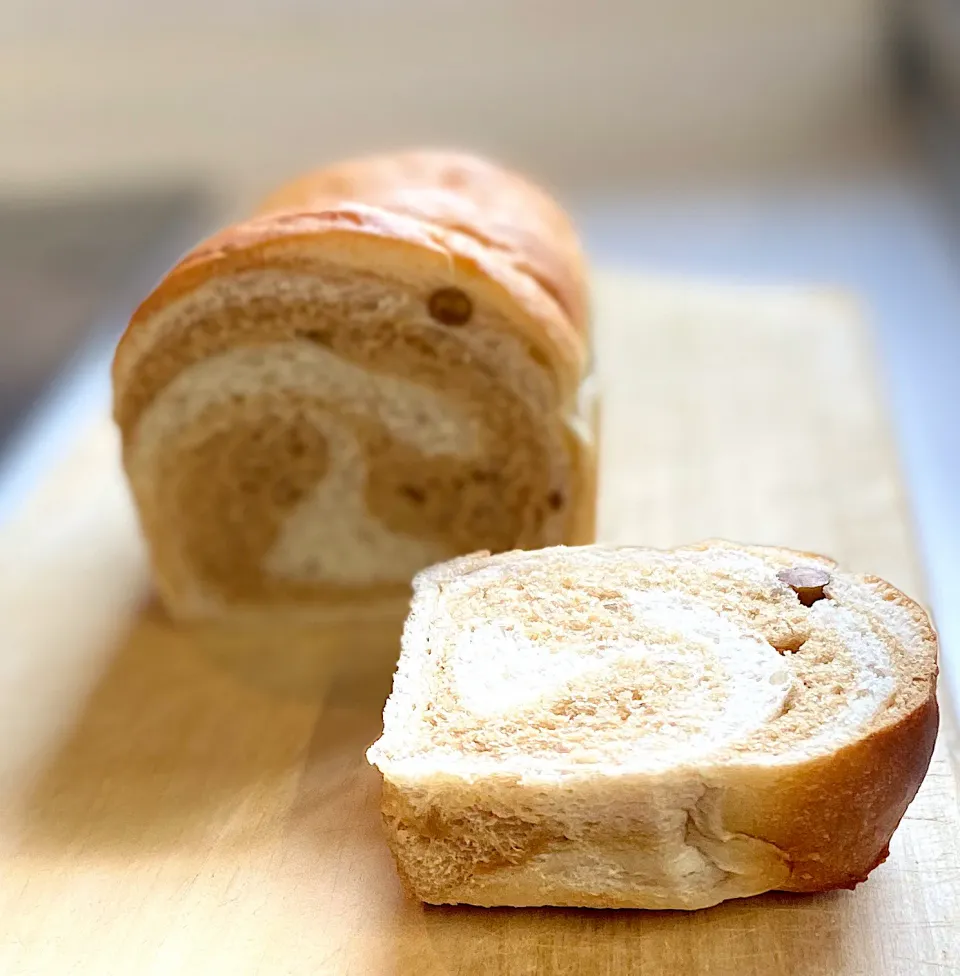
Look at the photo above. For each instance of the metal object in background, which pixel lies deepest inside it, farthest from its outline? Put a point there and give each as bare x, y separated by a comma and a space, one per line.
71, 269
924, 46
66, 266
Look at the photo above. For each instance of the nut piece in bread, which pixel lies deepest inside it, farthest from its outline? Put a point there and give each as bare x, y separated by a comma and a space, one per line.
636, 728
384, 367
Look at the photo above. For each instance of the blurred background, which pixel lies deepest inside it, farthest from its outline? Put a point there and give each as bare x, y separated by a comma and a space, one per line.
797, 140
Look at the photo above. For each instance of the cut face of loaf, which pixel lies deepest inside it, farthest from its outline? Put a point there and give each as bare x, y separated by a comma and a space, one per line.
652, 729
382, 369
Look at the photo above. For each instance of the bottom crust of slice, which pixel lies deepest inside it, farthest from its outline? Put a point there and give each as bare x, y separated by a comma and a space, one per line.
687, 841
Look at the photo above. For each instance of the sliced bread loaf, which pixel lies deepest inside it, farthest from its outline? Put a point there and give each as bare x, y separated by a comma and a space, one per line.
384, 367
654, 729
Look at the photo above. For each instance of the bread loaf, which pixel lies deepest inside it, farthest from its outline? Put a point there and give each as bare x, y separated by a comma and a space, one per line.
652, 729
385, 366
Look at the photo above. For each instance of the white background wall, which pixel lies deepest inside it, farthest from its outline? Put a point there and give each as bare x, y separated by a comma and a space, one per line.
585, 93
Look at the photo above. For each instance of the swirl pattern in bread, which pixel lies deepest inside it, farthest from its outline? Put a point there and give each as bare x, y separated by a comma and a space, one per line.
384, 367
640, 728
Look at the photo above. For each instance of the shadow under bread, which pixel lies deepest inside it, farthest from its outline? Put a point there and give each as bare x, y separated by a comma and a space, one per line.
198, 737
290, 657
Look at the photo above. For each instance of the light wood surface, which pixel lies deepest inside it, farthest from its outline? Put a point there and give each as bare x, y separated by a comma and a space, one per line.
170, 809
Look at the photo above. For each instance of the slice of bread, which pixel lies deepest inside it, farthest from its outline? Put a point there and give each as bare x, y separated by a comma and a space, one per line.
384, 367
652, 729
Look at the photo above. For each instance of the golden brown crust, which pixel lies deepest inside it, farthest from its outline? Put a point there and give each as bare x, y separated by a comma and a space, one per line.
279, 240
464, 193
833, 817
450, 203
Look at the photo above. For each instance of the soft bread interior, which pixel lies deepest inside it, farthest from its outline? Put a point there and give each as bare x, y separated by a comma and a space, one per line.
639, 728
307, 435
557, 663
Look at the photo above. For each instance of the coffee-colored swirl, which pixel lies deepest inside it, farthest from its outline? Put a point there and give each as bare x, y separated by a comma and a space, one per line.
690, 655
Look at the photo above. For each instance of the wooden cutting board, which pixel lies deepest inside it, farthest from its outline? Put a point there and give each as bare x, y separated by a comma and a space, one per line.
169, 808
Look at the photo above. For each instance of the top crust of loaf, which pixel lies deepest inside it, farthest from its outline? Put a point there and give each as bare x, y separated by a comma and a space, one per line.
412, 234
780, 683
459, 192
